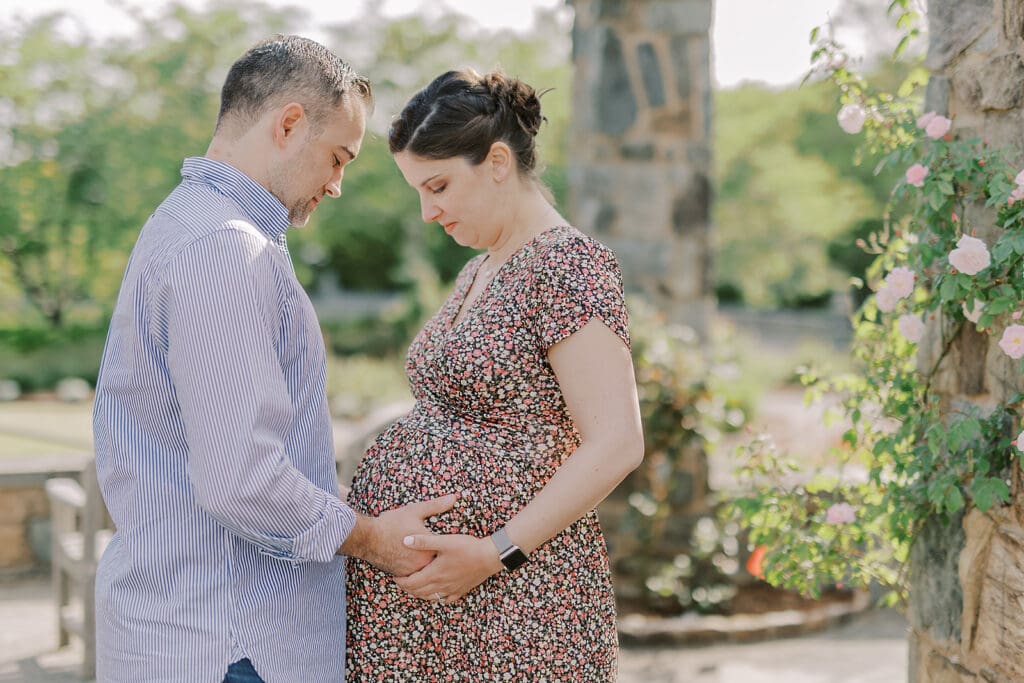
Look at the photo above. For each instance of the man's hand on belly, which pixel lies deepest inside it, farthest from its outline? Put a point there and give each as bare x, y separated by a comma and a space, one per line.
379, 540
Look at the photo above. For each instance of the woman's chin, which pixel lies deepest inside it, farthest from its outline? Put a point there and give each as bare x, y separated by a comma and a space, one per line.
466, 241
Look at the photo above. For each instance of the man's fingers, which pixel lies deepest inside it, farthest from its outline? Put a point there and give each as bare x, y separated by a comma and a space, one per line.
435, 506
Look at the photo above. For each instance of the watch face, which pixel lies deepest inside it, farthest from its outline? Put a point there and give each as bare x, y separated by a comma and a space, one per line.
513, 558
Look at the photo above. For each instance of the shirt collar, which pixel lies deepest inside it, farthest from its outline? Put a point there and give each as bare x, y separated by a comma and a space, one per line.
264, 209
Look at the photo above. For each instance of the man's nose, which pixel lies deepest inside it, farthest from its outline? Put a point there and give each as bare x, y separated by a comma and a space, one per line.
333, 186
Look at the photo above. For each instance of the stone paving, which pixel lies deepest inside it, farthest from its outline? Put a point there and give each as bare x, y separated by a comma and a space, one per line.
869, 649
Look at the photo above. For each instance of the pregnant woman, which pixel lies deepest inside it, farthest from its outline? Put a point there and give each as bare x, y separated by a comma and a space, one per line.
526, 406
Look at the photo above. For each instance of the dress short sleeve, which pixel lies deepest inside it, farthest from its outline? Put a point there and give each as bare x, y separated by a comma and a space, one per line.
578, 279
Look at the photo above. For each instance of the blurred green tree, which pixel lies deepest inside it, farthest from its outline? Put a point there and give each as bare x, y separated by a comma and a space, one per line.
93, 137
786, 191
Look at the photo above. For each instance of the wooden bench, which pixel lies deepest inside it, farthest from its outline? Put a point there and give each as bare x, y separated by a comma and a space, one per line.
80, 531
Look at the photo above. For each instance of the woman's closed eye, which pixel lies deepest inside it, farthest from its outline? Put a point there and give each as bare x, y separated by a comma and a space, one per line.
439, 188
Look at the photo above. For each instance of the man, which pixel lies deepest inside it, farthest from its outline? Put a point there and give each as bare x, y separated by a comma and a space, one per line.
213, 439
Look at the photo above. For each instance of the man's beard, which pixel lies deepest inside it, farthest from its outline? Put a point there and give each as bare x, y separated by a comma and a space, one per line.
299, 213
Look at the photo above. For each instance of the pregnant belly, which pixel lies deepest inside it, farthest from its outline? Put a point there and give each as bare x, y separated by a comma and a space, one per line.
407, 465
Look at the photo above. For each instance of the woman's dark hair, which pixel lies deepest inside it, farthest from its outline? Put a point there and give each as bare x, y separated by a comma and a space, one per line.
461, 114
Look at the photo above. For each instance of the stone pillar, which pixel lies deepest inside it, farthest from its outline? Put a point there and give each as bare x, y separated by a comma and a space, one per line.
640, 147
967, 581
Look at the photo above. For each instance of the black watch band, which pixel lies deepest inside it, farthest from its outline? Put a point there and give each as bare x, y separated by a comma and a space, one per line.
512, 556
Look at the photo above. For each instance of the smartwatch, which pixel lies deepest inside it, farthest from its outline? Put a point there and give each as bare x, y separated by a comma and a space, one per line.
512, 556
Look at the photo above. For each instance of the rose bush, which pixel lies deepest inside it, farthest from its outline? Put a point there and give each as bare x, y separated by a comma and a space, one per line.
906, 456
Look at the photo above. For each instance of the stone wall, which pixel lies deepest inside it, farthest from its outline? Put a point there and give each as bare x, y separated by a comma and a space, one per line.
967, 581
640, 150
24, 526
639, 166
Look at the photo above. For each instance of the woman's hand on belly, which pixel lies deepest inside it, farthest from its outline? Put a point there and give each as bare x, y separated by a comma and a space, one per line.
462, 563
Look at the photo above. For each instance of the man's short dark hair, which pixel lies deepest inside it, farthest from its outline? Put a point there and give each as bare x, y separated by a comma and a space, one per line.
285, 69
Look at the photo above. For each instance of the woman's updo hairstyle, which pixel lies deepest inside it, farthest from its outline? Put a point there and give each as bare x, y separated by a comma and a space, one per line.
461, 114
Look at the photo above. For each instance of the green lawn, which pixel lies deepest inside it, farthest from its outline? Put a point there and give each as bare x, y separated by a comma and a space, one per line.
40, 427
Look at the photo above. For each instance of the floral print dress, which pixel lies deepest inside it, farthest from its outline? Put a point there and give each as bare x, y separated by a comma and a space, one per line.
490, 422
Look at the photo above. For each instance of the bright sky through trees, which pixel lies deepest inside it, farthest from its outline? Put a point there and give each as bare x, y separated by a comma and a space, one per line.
753, 39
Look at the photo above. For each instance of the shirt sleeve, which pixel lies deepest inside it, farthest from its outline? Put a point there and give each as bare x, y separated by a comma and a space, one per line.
221, 305
578, 280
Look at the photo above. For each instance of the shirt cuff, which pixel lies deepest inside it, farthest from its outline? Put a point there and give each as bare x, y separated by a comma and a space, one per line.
321, 542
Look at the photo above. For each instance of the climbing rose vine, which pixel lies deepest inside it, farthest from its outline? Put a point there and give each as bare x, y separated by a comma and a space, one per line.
949, 263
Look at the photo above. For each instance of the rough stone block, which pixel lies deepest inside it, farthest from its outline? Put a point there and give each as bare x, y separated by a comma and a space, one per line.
691, 209
18, 504
677, 16
988, 42
609, 9
650, 72
1013, 21
14, 548
952, 26
645, 197
967, 87
1000, 610
637, 151
676, 122
936, 602
679, 49
1002, 83
613, 96
972, 354
605, 220
978, 529
640, 259
938, 669
936, 95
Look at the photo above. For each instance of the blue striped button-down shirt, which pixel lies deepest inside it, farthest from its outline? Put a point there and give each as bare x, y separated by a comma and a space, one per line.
214, 451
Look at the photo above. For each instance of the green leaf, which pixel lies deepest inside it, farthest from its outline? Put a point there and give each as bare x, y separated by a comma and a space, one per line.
950, 289
988, 490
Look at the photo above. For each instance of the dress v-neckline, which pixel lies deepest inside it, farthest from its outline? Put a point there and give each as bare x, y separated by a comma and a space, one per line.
461, 315
462, 311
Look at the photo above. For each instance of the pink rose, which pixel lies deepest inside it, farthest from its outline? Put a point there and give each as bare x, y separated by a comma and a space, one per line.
970, 256
841, 513
937, 127
974, 313
1019, 180
1016, 195
851, 118
886, 299
911, 327
924, 119
1019, 442
915, 175
1012, 342
901, 281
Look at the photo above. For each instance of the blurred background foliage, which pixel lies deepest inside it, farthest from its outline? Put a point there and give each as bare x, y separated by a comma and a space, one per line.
92, 135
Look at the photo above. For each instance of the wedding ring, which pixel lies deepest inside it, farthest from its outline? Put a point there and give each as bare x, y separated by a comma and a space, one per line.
440, 598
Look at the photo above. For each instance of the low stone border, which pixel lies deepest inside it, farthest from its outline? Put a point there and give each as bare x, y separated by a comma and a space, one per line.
25, 511
695, 629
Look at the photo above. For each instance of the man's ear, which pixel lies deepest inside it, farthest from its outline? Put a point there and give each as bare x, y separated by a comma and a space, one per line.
290, 119
501, 161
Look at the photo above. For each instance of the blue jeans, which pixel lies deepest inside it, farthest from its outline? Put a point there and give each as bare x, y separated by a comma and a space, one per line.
242, 672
